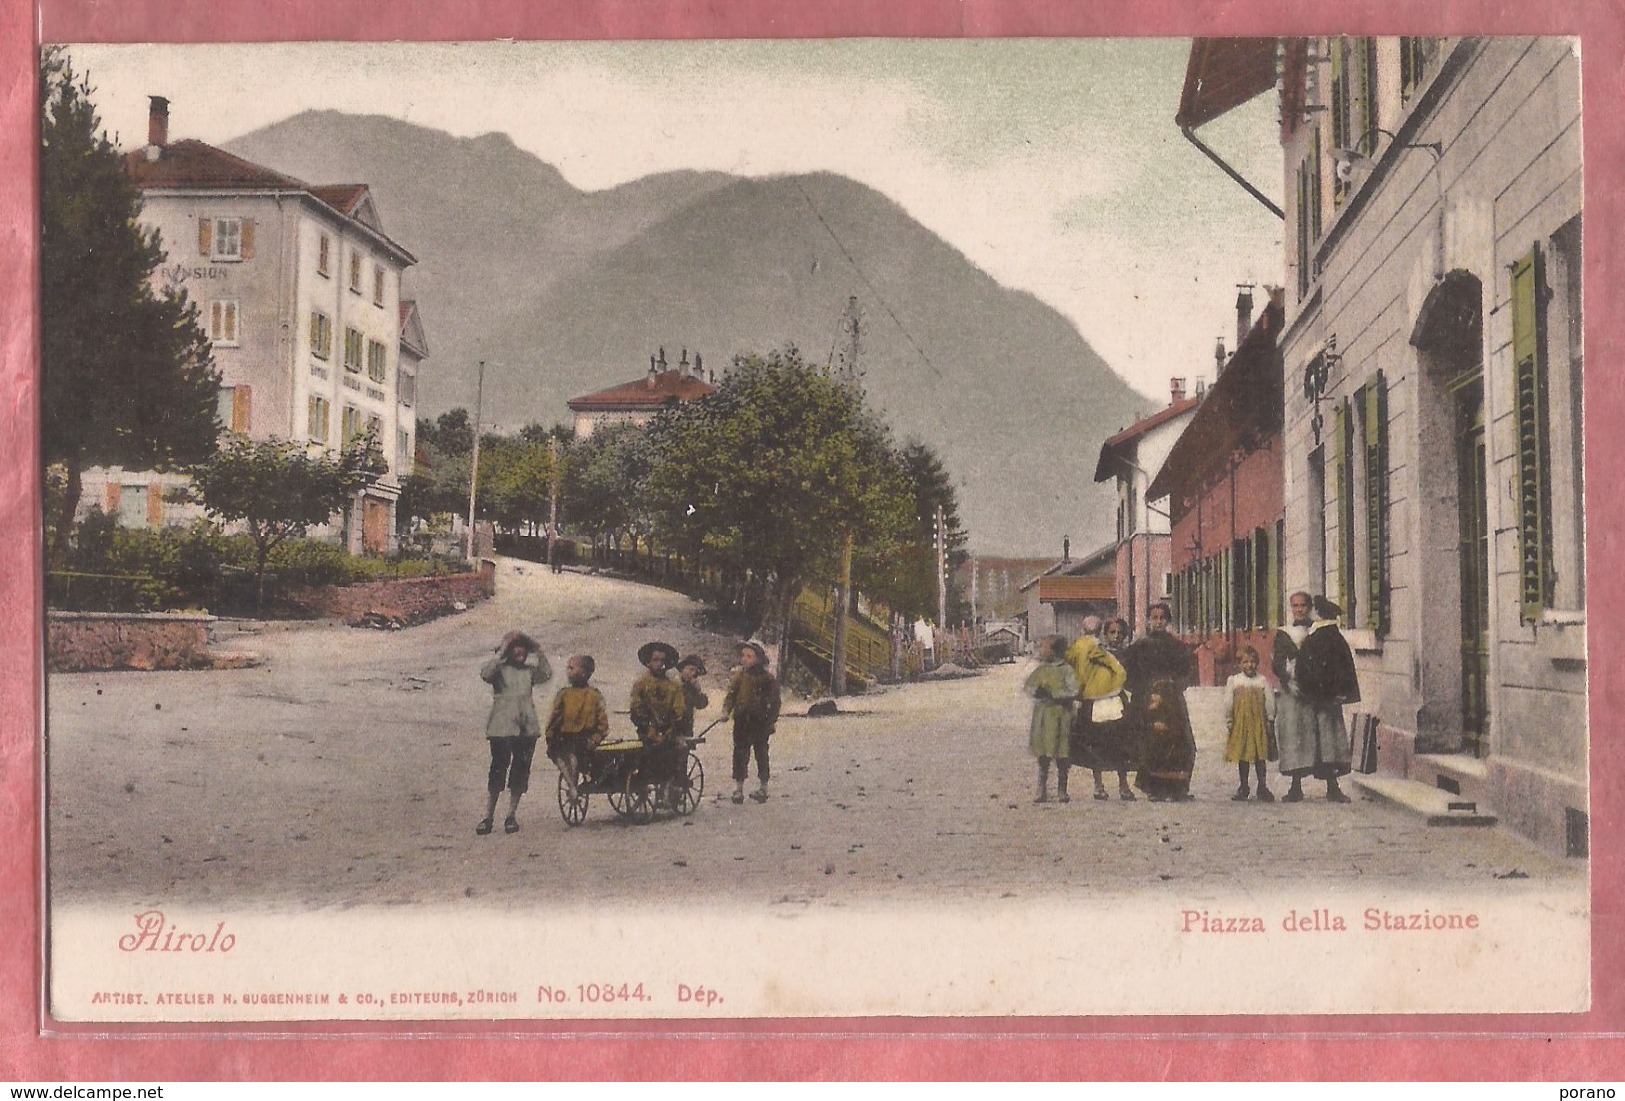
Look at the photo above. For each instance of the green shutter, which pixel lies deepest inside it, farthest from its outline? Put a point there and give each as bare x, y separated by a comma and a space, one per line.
1340, 95
1368, 94
1274, 617
1342, 438
1314, 192
1529, 392
1376, 504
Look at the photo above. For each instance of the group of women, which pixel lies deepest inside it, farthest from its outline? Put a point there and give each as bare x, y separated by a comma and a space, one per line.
1114, 706
1130, 714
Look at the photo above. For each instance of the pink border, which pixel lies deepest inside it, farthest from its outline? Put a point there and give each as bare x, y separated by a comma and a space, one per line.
1344, 1048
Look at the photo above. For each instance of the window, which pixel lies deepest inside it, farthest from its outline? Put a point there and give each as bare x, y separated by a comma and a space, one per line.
1315, 515
319, 423
233, 408
377, 285
406, 386
321, 335
225, 238
1341, 109
355, 272
324, 256
352, 351
403, 451
1373, 403
132, 506
377, 367
350, 426
1308, 213
1547, 355
1343, 471
1263, 579
223, 323
1565, 378
1415, 59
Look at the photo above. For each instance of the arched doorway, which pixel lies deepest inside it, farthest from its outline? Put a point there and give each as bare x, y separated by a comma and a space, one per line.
1453, 516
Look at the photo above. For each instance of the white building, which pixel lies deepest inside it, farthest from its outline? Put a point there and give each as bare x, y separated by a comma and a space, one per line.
638, 401
299, 290
1433, 357
1132, 458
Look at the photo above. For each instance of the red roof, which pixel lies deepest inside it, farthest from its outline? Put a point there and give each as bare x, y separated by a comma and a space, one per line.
1243, 408
648, 392
195, 164
1103, 469
1065, 588
343, 198
191, 165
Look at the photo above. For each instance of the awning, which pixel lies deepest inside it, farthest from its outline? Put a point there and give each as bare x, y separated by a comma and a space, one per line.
1062, 590
1224, 73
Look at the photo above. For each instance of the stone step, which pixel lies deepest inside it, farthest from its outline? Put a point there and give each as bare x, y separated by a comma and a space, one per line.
1459, 774
1438, 807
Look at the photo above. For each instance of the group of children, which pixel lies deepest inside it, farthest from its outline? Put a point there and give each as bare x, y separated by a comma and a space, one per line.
1249, 714
662, 711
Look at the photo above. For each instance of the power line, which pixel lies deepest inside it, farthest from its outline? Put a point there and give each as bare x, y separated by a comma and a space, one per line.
833, 236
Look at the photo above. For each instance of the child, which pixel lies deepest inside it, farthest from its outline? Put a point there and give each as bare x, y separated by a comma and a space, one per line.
689, 672
753, 701
512, 727
657, 707
1249, 712
1052, 686
578, 722
1169, 752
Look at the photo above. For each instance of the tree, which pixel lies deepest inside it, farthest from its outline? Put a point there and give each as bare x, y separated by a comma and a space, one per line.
603, 491
906, 581
127, 376
515, 475
769, 475
280, 489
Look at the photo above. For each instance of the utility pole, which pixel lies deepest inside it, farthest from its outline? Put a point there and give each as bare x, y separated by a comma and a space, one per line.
942, 570
552, 501
837, 660
474, 466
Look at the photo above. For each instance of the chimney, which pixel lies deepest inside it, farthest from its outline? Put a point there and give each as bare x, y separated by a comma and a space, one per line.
661, 362
699, 367
157, 127
649, 379
1244, 312
1066, 548
1218, 359
157, 121
682, 364
1176, 388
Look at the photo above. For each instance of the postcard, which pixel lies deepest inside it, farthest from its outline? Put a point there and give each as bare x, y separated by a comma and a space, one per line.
832, 528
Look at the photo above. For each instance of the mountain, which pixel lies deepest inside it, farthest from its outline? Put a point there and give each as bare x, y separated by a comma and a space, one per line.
563, 292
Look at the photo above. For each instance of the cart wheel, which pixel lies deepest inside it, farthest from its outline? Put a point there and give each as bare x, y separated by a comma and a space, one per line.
619, 803
640, 799
685, 795
574, 810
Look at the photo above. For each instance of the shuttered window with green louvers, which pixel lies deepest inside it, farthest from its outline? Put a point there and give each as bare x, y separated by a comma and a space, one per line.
1341, 103
1342, 460
1376, 504
1529, 395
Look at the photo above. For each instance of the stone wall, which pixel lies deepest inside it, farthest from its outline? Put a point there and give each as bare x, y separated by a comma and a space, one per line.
78, 642
406, 601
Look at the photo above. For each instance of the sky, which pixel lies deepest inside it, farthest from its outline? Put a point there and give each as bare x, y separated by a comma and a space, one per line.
1052, 164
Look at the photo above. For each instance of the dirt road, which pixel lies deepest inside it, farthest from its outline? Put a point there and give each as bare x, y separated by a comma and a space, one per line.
349, 769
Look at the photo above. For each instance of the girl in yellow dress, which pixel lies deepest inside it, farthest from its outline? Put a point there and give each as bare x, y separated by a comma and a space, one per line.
1249, 712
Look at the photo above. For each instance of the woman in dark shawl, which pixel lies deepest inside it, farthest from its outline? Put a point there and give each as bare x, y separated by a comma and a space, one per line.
1160, 668
1325, 681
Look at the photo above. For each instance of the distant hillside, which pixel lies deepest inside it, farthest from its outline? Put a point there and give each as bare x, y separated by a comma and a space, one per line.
564, 292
